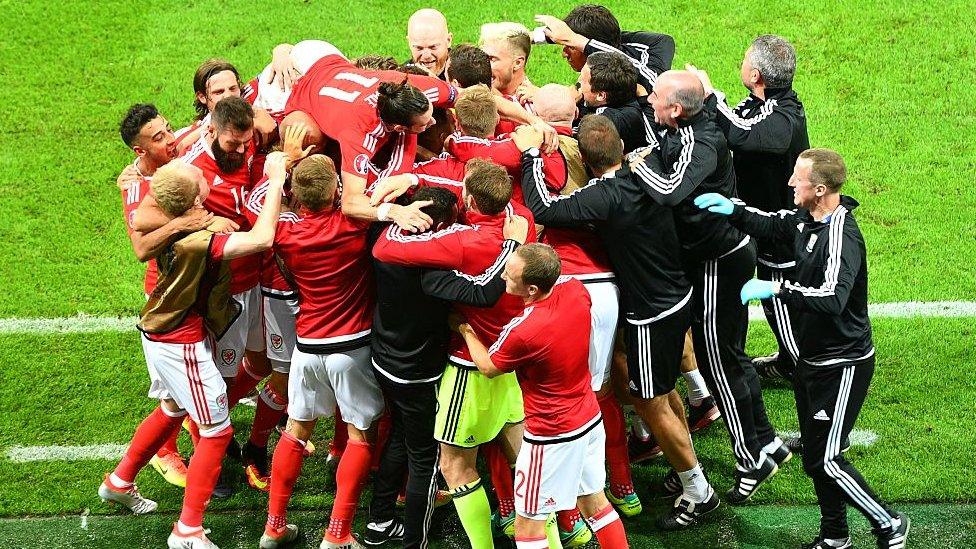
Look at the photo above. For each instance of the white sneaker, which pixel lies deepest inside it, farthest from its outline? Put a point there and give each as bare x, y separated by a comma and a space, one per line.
196, 540
130, 498
349, 543
287, 535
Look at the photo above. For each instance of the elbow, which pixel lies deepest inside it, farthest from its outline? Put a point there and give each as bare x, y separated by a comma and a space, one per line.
143, 255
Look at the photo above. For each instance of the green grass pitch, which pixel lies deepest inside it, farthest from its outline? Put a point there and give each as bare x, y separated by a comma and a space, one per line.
888, 84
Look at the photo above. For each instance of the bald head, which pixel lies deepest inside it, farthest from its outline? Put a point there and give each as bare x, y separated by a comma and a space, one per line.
314, 136
429, 39
556, 104
681, 88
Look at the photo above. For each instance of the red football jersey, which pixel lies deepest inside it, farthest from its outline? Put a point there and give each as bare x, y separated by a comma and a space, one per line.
470, 249
342, 101
508, 126
192, 328
580, 250
131, 198
228, 196
443, 171
552, 365
326, 254
271, 279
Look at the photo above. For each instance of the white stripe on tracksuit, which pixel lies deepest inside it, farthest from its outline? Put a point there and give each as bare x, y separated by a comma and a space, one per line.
710, 329
844, 481
783, 323
645, 358
431, 496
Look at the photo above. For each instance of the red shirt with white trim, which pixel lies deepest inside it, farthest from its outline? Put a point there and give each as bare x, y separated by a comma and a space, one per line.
131, 198
326, 254
342, 100
228, 196
470, 249
548, 348
192, 328
580, 250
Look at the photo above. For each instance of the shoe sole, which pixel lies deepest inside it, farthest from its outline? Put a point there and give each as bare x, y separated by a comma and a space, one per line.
707, 420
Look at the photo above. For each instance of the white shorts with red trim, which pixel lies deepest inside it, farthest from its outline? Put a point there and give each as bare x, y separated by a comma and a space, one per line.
604, 309
551, 472
279, 331
246, 333
186, 373
318, 383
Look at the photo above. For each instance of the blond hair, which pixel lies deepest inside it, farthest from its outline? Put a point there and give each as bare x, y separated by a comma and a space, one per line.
313, 182
489, 185
175, 188
826, 168
516, 35
476, 111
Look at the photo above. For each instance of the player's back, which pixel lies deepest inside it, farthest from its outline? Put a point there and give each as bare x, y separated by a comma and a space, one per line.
481, 252
326, 254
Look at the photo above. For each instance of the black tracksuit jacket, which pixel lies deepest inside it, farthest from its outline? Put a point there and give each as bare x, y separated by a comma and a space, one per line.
830, 292
765, 137
650, 53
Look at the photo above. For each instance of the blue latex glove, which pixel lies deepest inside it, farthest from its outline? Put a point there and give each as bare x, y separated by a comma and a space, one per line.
757, 289
714, 202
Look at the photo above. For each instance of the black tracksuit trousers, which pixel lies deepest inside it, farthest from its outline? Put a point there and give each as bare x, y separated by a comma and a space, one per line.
412, 452
780, 319
828, 402
719, 332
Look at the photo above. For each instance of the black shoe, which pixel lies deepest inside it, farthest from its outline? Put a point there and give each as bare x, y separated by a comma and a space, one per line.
781, 454
227, 483
672, 484
256, 456
686, 512
894, 538
770, 368
639, 450
821, 543
703, 414
746, 484
374, 535
794, 445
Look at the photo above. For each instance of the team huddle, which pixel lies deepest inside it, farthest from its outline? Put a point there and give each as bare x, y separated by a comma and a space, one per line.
452, 261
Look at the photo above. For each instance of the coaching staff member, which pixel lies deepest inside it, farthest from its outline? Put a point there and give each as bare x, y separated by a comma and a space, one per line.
655, 297
688, 158
590, 28
836, 360
767, 131
409, 351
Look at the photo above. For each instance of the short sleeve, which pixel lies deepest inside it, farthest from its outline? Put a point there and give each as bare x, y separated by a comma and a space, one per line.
217, 243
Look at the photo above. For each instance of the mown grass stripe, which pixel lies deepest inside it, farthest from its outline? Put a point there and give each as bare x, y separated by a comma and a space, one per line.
83, 324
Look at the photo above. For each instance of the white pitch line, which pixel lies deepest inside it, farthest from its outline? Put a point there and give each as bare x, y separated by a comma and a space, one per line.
84, 323
26, 454
904, 309
858, 437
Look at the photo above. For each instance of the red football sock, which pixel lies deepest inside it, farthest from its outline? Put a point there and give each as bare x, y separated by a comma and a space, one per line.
151, 434
244, 383
618, 462
201, 476
271, 407
608, 528
567, 519
169, 446
350, 477
383, 428
501, 477
286, 464
338, 444
194, 430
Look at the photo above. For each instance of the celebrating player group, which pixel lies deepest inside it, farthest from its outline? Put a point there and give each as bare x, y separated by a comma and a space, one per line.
452, 261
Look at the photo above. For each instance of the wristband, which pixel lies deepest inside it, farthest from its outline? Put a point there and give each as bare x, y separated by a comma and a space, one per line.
383, 212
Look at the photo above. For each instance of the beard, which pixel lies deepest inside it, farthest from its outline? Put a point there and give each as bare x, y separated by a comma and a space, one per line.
228, 162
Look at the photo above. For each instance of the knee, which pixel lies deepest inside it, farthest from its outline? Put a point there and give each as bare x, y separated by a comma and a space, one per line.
217, 430
529, 528
302, 430
279, 384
